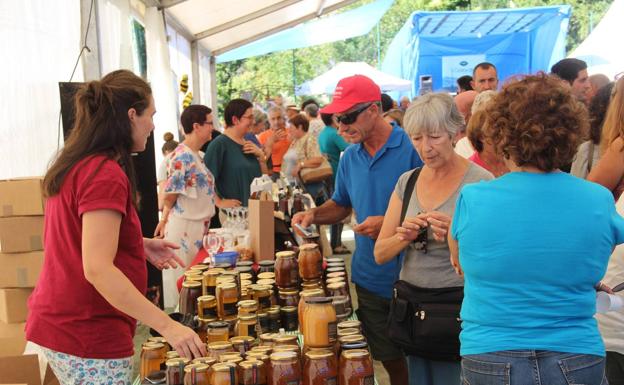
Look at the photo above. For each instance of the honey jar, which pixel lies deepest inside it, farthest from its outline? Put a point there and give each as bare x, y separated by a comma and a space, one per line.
286, 270
207, 306
320, 313
288, 297
247, 276
161, 340
171, 354
242, 344
337, 274
320, 368
312, 285
347, 332
329, 281
218, 331
266, 275
355, 367
227, 357
227, 298
266, 339
234, 274
274, 319
196, 374
247, 307
288, 318
310, 261
264, 349
175, 370
260, 356
285, 339
303, 296
209, 281
252, 372
152, 357
204, 360
215, 349
350, 324
224, 374
262, 294
284, 369
263, 322
264, 266
191, 290
247, 325
199, 267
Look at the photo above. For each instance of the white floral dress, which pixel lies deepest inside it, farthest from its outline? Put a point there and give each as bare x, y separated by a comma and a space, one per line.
189, 218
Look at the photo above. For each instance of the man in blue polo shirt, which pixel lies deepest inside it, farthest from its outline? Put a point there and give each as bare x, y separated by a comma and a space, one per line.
367, 174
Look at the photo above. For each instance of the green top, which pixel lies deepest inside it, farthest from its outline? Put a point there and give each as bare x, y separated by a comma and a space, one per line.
233, 171
332, 144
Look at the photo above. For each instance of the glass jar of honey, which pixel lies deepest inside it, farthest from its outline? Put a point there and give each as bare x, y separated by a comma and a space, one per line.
231, 321
320, 313
266, 275
171, 354
204, 360
199, 267
202, 327
227, 357
209, 281
264, 266
234, 274
196, 374
274, 319
152, 358
288, 318
312, 285
218, 331
193, 275
252, 372
266, 339
342, 307
356, 367
260, 356
215, 349
175, 370
263, 322
285, 340
247, 325
191, 290
207, 306
247, 307
284, 369
262, 294
337, 289
303, 296
310, 261
161, 340
347, 332
248, 276
227, 298
242, 344
224, 374
350, 324
288, 297
286, 270
320, 368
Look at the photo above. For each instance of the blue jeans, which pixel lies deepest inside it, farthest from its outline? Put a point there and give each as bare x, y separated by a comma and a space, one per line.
428, 372
533, 367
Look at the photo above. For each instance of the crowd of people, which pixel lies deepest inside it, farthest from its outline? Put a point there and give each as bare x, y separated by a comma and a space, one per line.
465, 194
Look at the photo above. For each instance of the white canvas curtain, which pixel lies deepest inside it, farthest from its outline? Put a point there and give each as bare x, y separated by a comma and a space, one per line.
40, 43
115, 35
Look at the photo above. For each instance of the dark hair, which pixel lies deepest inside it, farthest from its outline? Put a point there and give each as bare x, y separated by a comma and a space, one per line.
536, 121
568, 69
170, 143
102, 126
312, 110
464, 82
300, 120
308, 102
236, 107
386, 103
484, 66
195, 113
328, 119
598, 110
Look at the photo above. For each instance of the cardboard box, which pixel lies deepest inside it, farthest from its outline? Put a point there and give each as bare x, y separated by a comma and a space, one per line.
262, 229
13, 306
20, 369
20, 269
23, 196
21, 234
14, 330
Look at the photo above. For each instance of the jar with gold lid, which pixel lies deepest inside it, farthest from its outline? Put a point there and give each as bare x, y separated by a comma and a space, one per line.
266, 275
329, 281
226, 357
274, 318
242, 344
312, 285
288, 297
247, 307
355, 367
171, 354
285, 339
204, 360
174, 372
263, 322
209, 281
252, 372
235, 274
259, 355
286, 270
303, 296
247, 325
202, 327
192, 275
218, 331
262, 294
196, 374
349, 324
288, 318
227, 298
215, 349
231, 321
347, 332
199, 267
191, 290
320, 368
207, 306
264, 266
284, 369
266, 339
337, 274
310, 261
337, 289
320, 313
247, 276
224, 374
161, 340
152, 358
334, 259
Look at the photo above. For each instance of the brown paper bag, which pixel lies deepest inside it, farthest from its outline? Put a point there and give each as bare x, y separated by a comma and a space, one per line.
262, 229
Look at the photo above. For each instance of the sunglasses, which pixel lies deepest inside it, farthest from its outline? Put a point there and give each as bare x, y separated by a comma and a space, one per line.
351, 117
420, 243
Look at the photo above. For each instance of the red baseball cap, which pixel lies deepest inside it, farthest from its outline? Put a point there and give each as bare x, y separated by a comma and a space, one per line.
351, 91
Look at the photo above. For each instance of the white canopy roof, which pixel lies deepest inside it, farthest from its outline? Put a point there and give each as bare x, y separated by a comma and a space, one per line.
600, 49
326, 83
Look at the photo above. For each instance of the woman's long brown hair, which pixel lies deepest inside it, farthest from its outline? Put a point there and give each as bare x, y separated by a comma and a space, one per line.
102, 126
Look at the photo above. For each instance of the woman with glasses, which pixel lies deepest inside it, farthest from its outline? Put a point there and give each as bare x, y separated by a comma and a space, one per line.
431, 121
532, 245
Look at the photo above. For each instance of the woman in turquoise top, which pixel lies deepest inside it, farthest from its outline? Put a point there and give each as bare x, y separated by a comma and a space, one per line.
532, 246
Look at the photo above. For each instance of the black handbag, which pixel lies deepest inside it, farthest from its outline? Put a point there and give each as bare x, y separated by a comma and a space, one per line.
425, 322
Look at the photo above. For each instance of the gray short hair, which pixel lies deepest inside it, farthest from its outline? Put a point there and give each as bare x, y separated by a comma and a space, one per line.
281, 110
432, 114
259, 116
312, 110
482, 100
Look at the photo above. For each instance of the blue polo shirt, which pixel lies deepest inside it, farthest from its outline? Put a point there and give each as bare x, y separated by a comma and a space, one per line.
366, 183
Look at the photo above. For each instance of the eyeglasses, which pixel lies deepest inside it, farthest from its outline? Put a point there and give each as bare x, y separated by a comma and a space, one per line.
250, 117
351, 117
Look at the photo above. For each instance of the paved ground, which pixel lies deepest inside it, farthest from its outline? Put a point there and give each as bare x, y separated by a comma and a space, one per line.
382, 377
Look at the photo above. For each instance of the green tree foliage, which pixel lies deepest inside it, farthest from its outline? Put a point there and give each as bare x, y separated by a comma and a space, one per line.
265, 76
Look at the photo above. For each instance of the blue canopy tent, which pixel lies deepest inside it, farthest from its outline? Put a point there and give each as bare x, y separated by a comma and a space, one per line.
447, 45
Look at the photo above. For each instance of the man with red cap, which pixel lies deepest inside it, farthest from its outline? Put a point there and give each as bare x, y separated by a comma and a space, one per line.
366, 176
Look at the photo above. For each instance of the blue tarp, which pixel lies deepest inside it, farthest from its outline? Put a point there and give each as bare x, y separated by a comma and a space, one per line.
352, 23
447, 45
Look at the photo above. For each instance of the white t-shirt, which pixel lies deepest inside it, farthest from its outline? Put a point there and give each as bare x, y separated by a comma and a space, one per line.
464, 148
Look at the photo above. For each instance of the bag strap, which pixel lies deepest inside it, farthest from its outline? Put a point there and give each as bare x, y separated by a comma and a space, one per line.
409, 189
590, 156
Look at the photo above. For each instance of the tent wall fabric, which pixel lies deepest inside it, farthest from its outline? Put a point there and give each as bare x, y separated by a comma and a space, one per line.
447, 45
598, 49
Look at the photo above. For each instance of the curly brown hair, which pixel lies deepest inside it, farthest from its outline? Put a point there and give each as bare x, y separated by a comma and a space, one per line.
474, 130
536, 121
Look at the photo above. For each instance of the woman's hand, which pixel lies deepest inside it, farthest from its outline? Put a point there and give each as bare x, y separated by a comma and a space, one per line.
410, 228
160, 253
440, 224
159, 233
184, 340
251, 148
227, 203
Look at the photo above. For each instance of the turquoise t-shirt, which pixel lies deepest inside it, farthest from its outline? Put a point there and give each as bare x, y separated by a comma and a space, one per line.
532, 247
332, 144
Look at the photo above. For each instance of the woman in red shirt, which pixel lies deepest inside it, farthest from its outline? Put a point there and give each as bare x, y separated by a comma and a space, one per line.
91, 290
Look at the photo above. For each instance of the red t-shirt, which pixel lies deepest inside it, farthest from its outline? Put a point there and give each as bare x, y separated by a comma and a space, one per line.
66, 313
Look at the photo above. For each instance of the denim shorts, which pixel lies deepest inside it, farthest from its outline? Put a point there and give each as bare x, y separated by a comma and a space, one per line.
533, 367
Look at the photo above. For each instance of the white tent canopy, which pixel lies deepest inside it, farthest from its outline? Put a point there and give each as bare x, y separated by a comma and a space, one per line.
599, 49
326, 83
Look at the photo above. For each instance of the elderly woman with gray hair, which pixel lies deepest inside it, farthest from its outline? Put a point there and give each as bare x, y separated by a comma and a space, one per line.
432, 122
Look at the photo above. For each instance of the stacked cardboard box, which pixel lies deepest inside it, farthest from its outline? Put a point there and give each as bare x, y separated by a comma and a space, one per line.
21, 256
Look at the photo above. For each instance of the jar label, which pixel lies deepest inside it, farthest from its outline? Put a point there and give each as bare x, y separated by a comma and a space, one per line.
229, 309
332, 331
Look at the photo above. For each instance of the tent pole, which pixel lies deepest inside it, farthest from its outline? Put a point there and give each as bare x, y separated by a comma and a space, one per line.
378, 47
195, 71
213, 89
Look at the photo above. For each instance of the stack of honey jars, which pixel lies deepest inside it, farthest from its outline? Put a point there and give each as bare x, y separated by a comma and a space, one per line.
337, 286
